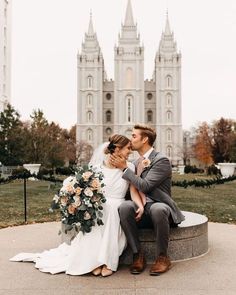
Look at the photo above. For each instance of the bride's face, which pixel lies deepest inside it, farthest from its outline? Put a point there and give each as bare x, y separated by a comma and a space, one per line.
125, 151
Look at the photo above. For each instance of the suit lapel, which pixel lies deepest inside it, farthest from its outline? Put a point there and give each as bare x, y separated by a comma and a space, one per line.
151, 158
152, 155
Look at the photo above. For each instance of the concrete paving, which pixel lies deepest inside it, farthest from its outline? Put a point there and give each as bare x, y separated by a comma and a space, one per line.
213, 273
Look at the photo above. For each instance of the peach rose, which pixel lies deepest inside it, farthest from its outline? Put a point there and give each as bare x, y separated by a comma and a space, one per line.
78, 191
95, 184
88, 192
70, 188
146, 163
72, 209
64, 200
86, 175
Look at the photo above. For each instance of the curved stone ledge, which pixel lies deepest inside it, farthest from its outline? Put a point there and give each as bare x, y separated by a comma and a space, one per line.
188, 240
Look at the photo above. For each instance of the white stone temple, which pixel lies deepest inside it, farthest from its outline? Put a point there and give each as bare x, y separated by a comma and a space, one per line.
108, 106
5, 53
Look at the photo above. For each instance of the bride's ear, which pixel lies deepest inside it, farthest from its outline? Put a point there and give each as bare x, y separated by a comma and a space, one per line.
117, 151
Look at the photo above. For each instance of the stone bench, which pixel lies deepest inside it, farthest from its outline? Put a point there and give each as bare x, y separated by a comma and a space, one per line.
188, 240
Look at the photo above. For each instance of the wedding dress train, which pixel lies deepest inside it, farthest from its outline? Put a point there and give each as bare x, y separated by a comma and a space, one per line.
103, 245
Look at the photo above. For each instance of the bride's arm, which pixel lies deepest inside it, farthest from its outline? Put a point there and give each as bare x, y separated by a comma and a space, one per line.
136, 198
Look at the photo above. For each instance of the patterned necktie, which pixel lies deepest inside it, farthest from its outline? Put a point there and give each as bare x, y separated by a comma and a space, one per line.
139, 171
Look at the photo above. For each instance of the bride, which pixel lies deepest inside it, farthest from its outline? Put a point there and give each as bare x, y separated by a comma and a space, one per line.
97, 252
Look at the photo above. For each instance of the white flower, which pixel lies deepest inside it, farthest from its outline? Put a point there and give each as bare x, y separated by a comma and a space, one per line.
88, 192
56, 198
69, 180
77, 201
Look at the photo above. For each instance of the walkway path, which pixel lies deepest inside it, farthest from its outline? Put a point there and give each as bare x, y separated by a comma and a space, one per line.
212, 274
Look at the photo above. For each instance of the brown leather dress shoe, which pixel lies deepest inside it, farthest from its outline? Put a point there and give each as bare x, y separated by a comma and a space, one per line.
139, 263
161, 265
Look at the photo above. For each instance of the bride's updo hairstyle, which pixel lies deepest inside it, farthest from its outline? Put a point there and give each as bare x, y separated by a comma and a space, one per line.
116, 140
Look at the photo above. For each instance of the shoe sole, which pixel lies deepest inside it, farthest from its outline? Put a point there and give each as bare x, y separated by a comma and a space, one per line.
159, 273
135, 272
155, 273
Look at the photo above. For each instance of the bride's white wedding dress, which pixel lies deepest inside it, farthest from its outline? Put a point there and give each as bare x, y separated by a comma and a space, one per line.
103, 245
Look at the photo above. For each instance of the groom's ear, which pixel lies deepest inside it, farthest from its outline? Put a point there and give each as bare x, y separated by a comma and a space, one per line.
145, 139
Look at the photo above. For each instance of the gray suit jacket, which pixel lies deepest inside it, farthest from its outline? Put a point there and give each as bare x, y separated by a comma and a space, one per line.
155, 182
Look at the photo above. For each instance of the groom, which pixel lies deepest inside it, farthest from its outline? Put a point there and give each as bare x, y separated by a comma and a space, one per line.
160, 211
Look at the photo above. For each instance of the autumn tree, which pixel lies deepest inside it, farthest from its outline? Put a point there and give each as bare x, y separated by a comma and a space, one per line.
56, 152
203, 144
222, 140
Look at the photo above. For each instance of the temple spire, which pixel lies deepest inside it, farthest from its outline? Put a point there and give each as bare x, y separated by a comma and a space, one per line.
167, 28
90, 28
129, 20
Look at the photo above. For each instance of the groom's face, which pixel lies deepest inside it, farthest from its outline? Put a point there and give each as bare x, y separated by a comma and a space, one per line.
136, 140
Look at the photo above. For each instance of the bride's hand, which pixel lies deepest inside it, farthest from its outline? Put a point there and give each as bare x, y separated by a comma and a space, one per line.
139, 213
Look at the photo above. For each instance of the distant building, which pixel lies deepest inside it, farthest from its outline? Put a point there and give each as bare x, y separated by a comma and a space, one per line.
108, 106
5, 53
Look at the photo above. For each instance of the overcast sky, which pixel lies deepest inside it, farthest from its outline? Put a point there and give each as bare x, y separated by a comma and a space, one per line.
47, 35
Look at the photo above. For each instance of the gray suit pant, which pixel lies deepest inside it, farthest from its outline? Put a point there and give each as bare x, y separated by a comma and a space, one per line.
156, 215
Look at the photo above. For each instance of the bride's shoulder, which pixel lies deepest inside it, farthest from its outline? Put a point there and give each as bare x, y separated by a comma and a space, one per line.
131, 166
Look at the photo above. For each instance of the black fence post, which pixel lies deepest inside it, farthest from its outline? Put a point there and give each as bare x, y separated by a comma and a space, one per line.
25, 200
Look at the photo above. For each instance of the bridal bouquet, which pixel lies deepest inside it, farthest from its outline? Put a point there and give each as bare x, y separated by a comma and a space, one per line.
80, 200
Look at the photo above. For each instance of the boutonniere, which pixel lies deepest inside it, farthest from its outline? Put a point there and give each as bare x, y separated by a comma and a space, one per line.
146, 163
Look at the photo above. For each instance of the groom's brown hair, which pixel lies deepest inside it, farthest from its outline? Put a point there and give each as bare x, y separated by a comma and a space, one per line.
147, 131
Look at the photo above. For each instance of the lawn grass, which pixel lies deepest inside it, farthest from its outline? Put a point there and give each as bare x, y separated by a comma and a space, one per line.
39, 197
218, 203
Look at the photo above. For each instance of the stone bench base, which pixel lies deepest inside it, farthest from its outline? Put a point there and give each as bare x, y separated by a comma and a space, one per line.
188, 240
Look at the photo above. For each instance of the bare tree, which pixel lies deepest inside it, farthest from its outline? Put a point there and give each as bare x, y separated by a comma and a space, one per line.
84, 152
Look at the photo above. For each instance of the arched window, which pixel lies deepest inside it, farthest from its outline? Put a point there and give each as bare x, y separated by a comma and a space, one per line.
169, 151
129, 108
89, 100
108, 96
149, 96
108, 116
89, 135
89, 116
90, 81
168, 81
168, 99
169, 116
169, 135
149, 116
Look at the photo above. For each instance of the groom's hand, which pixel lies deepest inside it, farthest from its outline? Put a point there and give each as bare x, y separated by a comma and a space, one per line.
118, 161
